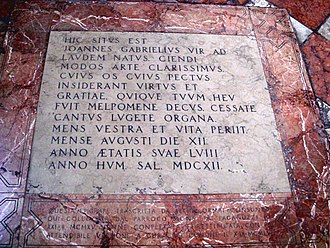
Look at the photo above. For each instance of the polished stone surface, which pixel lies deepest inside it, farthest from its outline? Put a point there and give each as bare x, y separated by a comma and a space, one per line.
317, 52
295, 219
324, 30
159, 112
10, 215
167, 220
311, 13
301, 30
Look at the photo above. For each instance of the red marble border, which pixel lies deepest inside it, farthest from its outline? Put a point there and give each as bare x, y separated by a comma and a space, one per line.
297, 118
301, 129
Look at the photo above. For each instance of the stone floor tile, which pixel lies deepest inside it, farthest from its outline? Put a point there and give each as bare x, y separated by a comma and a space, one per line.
10, 214
301, 30
325, 29
325, 116
311, 13
259, 3
295, 219
317, 57
325, 113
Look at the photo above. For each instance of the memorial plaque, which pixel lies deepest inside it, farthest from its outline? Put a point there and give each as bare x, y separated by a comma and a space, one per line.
158, 124
158, 113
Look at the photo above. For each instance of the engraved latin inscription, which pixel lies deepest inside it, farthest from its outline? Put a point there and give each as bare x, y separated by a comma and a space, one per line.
155, 113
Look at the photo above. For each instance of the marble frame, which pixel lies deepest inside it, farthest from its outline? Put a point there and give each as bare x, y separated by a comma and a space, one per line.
295, 219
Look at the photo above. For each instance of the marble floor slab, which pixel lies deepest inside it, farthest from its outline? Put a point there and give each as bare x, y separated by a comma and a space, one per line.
295, 219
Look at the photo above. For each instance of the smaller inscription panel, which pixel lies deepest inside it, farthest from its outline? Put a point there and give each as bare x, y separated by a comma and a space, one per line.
169, 221
155, 113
